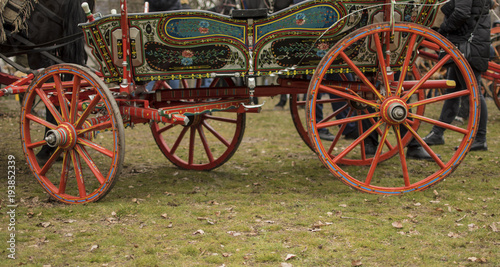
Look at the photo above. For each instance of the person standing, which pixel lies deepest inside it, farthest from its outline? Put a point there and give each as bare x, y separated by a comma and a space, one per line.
163, 5
463, 18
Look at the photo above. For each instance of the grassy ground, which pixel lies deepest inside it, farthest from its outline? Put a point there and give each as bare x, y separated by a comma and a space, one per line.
272, 204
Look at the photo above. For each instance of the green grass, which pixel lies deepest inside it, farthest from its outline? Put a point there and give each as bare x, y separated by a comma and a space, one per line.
273, 198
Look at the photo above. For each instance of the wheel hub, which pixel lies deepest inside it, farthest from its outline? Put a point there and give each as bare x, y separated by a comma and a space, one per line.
64, 136
394, 111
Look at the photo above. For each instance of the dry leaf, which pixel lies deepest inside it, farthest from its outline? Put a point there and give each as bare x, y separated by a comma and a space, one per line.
164, 215
473, 259
226, 255
453, 235
199, 232
169, 225
397, 225
343, 205
233, 233
286, 264
290, 256
94, 247
493, 227
44, 224
356, 263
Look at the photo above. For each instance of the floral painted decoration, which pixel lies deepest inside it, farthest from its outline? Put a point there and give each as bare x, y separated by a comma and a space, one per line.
322, 48
300, 19
187, 57
204, 27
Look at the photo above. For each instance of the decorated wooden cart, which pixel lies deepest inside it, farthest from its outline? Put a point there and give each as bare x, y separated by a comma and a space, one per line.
355, 61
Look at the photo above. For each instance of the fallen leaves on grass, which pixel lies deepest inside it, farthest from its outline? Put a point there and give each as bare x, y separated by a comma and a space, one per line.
356, 263
44, 224
233, 233
199, 232
94, 247
397, 224
453, 235
478, 260
290, 256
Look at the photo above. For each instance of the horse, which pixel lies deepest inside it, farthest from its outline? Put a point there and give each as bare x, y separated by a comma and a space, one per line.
49, 22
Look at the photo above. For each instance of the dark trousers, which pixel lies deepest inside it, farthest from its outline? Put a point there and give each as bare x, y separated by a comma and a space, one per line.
450, 106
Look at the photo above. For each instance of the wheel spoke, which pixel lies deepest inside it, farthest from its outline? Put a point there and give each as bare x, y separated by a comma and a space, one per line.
426, 77
438, 98
406, 63
88, 110
50, 162
64, 172
166, 128
439, 123
74, 99
361, 76
205, 144
48, 104
78, 174
36, 144
63, 103
179, 139
376, 158
335, 113
221, 119
346, 120
216, 134
192, 136
97, 127
356, 142
402, 158
40, 121
336, 90
90, 163
382, 62
427, 148
96, 147
339, 134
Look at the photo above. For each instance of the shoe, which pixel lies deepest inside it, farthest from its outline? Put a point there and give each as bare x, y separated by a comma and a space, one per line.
477, 146
458, 121
418, 152
370, 149
434, 139
326, 135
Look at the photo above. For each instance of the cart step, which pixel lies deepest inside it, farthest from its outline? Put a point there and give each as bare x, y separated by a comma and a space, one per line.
233, 105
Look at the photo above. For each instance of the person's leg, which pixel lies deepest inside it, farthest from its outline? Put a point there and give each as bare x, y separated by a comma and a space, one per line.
448, 111
480, 140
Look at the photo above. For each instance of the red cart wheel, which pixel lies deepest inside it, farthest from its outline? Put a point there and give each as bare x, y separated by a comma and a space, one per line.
72, 134
297, 110
377, 55
207, 142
